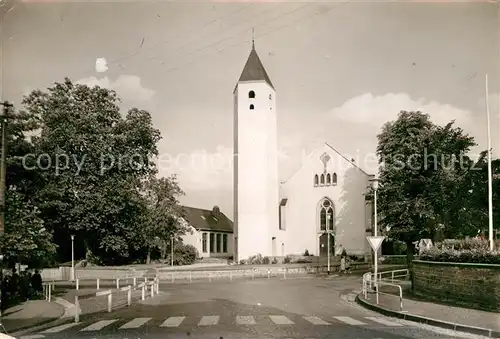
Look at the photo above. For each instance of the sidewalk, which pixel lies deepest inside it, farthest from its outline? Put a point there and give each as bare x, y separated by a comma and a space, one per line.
455, 318
31, 313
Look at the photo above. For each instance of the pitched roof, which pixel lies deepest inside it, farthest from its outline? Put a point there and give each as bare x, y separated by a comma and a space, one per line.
254, 70
211, 220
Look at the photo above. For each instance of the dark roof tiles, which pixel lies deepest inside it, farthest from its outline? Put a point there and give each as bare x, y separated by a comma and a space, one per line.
202, 219
254, 70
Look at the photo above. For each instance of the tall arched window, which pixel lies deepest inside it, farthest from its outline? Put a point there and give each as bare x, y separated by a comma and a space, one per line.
251, 95
252, 107
328, 179
322, 180
326, 215
334, 178
316, 180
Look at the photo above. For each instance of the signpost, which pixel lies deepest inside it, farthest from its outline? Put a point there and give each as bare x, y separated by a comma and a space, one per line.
375, 242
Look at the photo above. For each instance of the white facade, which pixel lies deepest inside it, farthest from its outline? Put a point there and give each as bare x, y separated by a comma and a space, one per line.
274, 219
256, 183
327, 193
210, 244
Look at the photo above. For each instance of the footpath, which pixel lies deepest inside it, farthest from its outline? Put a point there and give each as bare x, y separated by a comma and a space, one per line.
449, 317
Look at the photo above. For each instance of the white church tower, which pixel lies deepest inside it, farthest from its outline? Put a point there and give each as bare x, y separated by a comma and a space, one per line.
256, 182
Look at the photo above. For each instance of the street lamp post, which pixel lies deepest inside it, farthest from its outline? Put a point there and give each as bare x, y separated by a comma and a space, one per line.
72, 257
375, 182
172, 250
328, 217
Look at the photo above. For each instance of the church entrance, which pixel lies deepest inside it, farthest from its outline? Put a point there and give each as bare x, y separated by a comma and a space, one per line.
323, 245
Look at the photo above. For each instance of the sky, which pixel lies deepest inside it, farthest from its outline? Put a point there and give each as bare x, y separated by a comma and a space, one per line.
340, 69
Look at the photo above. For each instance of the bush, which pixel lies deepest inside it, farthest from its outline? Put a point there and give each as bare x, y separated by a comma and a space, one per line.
275, 261
287, 260
306, 253
394, 260
464, 244
184, 255
476, 256
255, 260
399, 248
266, 261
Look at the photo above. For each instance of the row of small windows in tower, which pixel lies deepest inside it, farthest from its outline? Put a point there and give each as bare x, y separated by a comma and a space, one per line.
325, 180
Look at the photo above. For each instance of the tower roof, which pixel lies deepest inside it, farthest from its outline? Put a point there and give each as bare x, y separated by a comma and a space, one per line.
254, 70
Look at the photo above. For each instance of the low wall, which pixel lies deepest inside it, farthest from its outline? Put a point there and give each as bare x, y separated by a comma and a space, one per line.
470, 285
253, 272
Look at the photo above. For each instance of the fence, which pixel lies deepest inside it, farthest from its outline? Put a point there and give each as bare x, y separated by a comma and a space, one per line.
371, 285
153, 286
250, 273
64, 273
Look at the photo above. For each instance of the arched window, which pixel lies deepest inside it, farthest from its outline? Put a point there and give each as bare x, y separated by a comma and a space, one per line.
322, 216
316, 180
328, 179
252, 107
270, 96
322, 181
326, 215
251, 95
334, 178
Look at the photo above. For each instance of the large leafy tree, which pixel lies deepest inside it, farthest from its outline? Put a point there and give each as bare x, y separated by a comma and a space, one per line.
163, 217
422, 168
26, 239
92, 161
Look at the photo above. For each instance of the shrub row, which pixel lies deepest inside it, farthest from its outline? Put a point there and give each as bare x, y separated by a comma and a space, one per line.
476, 256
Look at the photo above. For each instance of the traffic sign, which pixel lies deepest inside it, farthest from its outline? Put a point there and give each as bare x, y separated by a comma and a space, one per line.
375, 242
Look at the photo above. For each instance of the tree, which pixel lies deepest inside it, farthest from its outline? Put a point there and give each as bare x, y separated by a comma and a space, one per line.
163, 217
26, 239
422, 165
92, 161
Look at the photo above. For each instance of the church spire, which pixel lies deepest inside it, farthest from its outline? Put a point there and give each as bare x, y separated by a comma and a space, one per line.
254, 70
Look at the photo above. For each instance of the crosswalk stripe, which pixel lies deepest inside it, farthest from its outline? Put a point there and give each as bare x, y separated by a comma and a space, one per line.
281, 320
135, 323
173, 322
98, 325
350, 321
245, 320
316, 321
60, 328
383, 321
209, 320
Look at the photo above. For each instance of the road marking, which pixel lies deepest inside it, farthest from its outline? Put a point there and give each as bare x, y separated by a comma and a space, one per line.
34, 336
209, 320
316, 321
98, 325
383, 321
350, 321
281, 320
173, 322
245, 320
135, 323
60, 328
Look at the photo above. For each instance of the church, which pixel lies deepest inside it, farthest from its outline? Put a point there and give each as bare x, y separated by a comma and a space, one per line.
323, 208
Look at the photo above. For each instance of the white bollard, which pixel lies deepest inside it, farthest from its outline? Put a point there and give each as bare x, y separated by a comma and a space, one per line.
143, 293
152, 290
135, 281
110, 302
129, 297
118, 283
50, 293
98, 287
77, 309
268, 274
145, 279
284, 273
77, 284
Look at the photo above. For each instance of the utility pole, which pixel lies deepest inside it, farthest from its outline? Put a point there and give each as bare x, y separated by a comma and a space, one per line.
3, 170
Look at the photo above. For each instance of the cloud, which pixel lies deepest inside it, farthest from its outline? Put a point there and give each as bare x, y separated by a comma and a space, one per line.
128, 87
368, 109
200, 170
101, 65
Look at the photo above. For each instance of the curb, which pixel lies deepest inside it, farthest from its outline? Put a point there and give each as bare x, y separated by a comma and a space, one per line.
429, 321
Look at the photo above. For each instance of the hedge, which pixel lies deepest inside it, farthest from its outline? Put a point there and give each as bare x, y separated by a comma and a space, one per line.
462, 251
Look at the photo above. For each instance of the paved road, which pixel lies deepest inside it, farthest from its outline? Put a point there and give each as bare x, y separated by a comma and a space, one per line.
298, 308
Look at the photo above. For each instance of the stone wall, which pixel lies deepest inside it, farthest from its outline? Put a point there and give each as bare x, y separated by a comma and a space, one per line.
469, 285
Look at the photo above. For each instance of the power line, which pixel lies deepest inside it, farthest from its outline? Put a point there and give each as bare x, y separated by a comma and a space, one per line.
321, 12
244, 31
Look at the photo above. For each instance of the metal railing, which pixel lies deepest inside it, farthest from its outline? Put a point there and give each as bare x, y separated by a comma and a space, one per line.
371, 285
